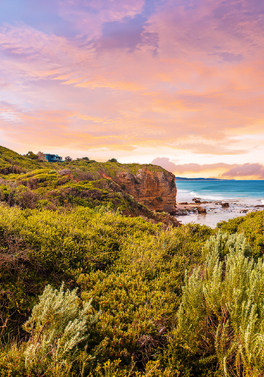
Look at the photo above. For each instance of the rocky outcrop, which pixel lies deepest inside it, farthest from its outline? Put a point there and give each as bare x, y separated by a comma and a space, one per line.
155, 189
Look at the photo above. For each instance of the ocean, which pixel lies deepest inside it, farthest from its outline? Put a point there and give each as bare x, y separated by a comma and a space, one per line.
242, 196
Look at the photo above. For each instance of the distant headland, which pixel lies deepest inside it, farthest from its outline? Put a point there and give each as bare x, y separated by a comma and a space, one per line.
197, 179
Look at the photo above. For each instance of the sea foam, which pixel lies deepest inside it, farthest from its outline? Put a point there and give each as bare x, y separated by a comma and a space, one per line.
207, 197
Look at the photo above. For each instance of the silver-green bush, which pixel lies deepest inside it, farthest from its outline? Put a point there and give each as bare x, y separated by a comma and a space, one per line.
221, 316
58, 324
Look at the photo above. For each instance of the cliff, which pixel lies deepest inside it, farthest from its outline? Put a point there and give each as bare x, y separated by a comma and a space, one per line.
150, 185
154, 189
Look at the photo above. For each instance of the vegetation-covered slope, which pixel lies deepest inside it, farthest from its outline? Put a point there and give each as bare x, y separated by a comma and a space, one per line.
29, 183
12, 162
134, 272
132, 269
82, 168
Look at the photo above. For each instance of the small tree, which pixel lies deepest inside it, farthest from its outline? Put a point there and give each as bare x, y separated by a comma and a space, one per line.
31, 155
68, 159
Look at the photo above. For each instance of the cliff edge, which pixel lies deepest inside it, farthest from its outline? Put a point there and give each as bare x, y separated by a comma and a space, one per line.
154, 189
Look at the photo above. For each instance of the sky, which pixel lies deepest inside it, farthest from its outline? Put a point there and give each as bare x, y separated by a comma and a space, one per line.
177, 83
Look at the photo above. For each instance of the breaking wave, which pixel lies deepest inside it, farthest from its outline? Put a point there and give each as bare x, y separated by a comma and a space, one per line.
207, 196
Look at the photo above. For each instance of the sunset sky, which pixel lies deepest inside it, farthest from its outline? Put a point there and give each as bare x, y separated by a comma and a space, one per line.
175, 82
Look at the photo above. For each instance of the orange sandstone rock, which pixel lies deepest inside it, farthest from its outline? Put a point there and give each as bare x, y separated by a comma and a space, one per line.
155, 189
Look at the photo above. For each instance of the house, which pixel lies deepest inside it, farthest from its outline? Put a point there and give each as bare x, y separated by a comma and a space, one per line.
49, 157
53, 158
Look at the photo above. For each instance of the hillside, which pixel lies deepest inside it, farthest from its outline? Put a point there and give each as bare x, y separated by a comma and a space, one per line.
134, 189
81, 168
12, 162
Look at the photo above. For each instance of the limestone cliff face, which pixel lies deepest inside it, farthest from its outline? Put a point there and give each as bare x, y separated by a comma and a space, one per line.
155, 189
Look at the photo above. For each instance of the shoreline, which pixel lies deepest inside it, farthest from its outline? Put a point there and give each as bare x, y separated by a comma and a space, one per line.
214, 211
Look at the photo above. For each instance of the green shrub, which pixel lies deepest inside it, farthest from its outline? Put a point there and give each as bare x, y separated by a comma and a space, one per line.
252, 226
12, 363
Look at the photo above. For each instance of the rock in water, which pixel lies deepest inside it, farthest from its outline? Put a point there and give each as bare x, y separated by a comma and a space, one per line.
201, 210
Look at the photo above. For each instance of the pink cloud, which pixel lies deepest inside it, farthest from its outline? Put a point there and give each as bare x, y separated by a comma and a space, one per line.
220, 170
188, 168
245, 171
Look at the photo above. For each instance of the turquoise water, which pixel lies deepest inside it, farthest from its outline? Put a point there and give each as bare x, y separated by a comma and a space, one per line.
243, 197
249, 191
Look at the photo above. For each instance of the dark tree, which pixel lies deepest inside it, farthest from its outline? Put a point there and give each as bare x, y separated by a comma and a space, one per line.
113, 160
31, 155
